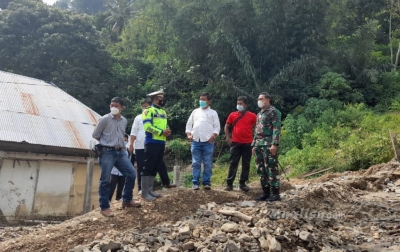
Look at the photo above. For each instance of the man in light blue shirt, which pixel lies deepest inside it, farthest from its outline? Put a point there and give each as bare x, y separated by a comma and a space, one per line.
117, 179
110, 132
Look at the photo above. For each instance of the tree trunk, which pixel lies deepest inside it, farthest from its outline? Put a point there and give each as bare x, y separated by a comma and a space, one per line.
390, 39
397, 58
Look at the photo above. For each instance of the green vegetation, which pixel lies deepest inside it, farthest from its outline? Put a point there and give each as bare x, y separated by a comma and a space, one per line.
352, 138
331, 66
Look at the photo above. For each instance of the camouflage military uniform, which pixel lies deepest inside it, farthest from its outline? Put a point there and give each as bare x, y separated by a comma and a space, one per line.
267, 133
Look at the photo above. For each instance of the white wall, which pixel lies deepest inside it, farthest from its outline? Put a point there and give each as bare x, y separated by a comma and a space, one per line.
17, 183
53, 188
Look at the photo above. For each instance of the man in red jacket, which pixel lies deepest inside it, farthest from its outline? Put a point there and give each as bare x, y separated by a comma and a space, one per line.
241, 123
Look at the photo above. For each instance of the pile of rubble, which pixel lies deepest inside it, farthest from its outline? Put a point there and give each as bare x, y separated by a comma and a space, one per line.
7, 233
351, 211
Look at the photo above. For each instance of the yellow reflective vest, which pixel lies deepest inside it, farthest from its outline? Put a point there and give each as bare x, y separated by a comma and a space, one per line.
154, 123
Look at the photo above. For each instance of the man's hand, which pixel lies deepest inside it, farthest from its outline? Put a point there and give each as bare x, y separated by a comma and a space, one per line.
273, 150
167, 132
189, 136
229, 140
212, 138
253, 151
131, 149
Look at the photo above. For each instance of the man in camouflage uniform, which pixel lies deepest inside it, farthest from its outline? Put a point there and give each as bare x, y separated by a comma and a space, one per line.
265, 147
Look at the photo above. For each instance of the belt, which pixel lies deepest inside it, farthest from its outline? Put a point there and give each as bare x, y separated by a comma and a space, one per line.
114, 148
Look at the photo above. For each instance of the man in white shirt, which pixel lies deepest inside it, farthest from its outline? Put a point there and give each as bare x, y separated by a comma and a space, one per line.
202, 128
136, 141
136, 147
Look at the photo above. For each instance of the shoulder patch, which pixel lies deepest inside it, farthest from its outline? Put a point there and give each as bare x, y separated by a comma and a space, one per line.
146, 112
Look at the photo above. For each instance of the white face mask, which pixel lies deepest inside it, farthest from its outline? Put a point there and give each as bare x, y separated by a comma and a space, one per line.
260, 104
114, 111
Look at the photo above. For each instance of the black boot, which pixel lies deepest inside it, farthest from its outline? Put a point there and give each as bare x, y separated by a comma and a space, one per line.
275, 195
265, 195
244, 187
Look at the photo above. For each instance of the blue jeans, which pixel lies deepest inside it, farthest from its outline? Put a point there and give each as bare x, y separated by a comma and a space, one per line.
120, 160
202, 152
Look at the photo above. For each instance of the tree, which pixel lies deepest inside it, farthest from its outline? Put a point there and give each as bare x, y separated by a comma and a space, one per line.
56, 46
121, 11
4, 4
63, 4
90, 7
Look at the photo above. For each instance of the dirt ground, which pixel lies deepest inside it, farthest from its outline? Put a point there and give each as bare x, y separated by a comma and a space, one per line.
367, 201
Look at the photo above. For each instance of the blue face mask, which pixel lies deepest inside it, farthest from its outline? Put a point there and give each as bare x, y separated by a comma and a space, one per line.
202, 104
239, 107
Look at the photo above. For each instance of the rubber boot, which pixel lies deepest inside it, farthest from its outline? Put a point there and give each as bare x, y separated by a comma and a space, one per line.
275, 195
145, 188
151, 184
266, 194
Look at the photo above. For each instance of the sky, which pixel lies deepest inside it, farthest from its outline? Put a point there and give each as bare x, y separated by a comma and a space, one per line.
49, 2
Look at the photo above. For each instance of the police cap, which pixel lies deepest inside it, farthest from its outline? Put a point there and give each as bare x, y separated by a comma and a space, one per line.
157, 93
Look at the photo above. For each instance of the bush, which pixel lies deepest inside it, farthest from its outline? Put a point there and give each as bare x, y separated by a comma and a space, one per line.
350, 139
223, 159
178, 150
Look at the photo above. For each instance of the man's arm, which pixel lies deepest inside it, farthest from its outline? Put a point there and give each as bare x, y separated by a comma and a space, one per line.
276, 131
227, 128
217, 125
216, 128
147, 117
101, 125
134, 132
132, 139
227, 135
276, 127
189, 126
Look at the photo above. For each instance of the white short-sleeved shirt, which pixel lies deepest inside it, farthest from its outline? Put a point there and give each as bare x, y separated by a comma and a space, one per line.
138, 132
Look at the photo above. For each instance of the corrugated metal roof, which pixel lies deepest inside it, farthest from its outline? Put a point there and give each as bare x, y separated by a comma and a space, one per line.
37, 112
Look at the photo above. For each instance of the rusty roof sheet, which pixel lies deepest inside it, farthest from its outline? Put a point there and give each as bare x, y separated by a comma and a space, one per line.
38, 112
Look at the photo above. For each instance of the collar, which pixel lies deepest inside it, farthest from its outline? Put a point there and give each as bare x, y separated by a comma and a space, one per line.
113, 117
262, 111
156, 106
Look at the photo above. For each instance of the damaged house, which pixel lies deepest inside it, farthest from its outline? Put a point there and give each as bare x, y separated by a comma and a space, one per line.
45, 142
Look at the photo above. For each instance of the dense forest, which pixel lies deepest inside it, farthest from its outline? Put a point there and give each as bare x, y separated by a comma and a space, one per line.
331, 66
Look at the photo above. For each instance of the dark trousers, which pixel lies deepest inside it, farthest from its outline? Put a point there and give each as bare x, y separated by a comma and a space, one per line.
238, 151
153, 159
163, 172
116, 180
139, 156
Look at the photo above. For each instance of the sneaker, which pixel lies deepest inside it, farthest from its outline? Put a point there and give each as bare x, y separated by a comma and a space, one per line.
228, 188
195, 187
207, 187
244, 188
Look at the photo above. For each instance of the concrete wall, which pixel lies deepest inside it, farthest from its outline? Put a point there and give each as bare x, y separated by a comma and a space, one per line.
53, 188
17, 187
44, 188
78, 188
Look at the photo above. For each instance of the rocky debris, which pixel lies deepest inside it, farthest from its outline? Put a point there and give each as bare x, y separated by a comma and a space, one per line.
7, 233
305, 236
229, 228
347, 212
